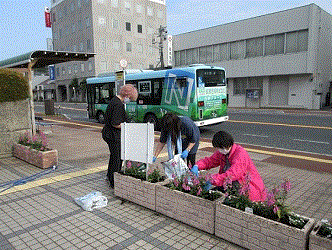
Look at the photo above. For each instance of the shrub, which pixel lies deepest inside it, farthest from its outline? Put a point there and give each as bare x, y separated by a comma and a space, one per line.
138, 170
37, 142
13, 86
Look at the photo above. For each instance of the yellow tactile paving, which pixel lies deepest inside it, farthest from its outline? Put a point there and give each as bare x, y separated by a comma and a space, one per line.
53, 179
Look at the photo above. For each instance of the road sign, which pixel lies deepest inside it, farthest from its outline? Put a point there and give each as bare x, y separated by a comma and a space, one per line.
123, 63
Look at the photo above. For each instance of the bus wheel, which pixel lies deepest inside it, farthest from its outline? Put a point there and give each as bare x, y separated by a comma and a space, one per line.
101, 117
151, 118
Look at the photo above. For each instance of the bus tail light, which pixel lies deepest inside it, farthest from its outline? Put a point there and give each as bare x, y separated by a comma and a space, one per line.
223, 101
200, 103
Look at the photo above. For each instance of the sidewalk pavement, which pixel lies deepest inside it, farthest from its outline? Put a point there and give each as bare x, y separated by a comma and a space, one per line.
42, 214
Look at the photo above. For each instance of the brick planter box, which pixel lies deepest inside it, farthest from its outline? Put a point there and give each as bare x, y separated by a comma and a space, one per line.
255, 232
189, 209
317, 242
41, 159
136, 190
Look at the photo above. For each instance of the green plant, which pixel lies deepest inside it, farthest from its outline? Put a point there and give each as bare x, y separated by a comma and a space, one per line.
138, 170
274, 207
13, 86
194, 185
325, 230
37, 142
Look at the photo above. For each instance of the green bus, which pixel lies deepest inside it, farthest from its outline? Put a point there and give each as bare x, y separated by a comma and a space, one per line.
197, 91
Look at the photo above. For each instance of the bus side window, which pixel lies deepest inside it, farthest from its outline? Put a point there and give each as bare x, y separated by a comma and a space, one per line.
181, 82
157, 92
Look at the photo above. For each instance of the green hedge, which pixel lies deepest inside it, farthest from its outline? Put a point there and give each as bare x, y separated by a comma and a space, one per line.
13, 86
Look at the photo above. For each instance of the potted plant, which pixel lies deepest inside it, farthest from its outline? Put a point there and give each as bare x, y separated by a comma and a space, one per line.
35, 150
261, 225
185, 199
135, 185
321, 236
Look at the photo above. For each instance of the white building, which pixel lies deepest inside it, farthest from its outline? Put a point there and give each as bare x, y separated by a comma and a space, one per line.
282, 59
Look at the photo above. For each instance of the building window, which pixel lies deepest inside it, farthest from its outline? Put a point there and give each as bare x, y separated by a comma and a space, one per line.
102, 44
82, 67
69, 69
81, 47
255, 83
139, 8
127, 6
101, 21
115, 24
103, 66
88, 45
237, 50
297, 41
128, 47
254, 47
128, 26
75, 68
182, 57
274, 44
160, 14
140, 48
150, 11
87, 22
139, 28
191, 56
116, 45
239, 86
114, 3
63, 70
205, 54
216, 53
90, 66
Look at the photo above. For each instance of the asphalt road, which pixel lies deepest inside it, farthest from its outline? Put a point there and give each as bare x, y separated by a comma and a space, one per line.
305, 132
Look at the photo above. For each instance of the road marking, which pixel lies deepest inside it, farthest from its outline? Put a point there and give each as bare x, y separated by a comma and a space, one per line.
301, 157
73, 123
322, 142
281, 124
265, 136
56, 107
248, 149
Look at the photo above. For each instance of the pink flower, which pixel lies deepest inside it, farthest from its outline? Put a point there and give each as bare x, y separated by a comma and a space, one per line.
185, 187
185, 180
227, 183
128, 164
199, 191
195, 181
275, 209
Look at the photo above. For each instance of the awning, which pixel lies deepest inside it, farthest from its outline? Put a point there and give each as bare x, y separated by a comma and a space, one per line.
43, 58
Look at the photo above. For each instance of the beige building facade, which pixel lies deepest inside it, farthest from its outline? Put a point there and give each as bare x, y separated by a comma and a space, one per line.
112, 29
282, 59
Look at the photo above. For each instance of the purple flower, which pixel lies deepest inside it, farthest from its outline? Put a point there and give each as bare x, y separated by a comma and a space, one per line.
286, 186
176, 182
185, 180
270, 198
227, 183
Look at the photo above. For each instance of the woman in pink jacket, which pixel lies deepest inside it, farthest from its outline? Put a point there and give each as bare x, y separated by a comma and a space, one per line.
235, 164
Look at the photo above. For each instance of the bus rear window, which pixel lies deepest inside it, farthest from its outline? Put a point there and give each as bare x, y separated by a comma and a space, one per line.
210, 77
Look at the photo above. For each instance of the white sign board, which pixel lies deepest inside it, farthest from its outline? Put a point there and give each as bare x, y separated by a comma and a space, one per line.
137, 142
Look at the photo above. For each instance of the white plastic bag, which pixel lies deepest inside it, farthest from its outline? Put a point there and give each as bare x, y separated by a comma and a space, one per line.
91, 201
175, 166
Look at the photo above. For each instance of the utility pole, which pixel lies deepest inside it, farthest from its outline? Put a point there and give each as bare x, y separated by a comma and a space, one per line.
162, 35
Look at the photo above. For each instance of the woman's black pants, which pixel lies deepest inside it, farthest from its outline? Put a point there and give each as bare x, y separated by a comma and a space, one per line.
115, 161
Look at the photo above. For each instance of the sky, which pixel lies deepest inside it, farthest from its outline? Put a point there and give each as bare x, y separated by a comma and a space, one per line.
22, 23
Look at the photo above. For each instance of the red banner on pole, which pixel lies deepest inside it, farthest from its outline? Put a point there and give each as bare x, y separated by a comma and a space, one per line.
48, 17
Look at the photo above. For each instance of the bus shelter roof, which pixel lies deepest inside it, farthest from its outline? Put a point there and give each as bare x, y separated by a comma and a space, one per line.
43, 58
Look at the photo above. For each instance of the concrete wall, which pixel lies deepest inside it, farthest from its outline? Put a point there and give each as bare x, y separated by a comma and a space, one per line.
15, 120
